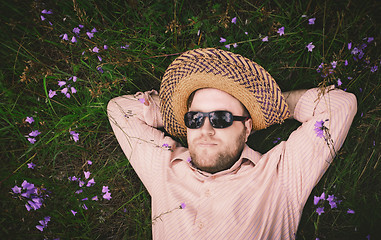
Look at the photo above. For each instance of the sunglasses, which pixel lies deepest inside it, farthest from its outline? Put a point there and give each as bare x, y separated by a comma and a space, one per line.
218, 119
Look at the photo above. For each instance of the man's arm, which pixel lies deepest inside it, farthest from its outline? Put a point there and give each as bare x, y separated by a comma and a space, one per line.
134, 120
306, 155
292, 98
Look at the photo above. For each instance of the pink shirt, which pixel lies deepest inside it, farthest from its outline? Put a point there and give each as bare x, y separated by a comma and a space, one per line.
260, 197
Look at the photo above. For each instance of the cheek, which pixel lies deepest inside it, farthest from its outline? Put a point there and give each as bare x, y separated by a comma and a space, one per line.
190, 136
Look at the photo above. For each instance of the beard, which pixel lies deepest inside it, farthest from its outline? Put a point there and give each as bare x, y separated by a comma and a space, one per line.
216, 160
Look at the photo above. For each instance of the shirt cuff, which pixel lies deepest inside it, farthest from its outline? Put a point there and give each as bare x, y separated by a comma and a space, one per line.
308, 104
151, 109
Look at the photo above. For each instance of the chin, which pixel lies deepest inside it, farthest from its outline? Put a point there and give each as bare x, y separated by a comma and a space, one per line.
221, 163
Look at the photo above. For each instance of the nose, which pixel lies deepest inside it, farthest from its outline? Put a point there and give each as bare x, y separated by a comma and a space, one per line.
207, 128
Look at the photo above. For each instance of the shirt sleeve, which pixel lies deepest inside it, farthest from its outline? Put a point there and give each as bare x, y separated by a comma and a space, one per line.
306, 155
134, 120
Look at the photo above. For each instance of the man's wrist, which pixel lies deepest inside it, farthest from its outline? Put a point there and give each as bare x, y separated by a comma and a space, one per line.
292, 98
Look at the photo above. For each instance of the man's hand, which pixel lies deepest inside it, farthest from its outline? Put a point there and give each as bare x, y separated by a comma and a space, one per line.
292, 98
154, 97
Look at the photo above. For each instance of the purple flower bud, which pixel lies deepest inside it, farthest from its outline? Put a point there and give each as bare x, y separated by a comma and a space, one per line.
27, 207
33, 205
333, 204
65, 37
105, 189
316, 200
64, 91
310, 46
320, 210
39, 227
90, 183
281, 31
107, 196
34, 133
361, 54
29, 120
311, 21
16, 189
47, 12
350, 211
31, 140
52, 93
76, 30
31, 165
89, 34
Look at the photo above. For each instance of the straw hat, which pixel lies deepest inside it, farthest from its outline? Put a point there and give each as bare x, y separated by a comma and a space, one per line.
242, 78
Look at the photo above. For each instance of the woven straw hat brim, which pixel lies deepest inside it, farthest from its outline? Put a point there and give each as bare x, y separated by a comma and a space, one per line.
242, 78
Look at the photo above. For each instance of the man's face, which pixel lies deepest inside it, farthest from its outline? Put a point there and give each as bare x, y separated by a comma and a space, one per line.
213, 149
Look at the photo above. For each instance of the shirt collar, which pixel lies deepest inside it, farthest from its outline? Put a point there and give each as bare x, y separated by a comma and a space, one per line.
182, 154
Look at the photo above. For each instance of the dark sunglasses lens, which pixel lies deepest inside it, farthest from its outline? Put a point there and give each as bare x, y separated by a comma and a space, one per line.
221, 119
193, 120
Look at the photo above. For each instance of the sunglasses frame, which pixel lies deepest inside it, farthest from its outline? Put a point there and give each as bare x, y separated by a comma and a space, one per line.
208, 114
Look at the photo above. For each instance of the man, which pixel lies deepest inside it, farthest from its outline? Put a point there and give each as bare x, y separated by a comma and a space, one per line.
220, 188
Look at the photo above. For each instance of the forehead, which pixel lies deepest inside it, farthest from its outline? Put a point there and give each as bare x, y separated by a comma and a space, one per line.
211, 99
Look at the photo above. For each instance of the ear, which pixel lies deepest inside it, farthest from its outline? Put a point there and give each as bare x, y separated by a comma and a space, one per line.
249, 126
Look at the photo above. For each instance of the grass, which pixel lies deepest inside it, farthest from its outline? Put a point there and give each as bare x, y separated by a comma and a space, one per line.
34, 57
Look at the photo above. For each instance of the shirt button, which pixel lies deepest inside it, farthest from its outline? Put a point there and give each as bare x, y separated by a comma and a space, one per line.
207, 193
200, 224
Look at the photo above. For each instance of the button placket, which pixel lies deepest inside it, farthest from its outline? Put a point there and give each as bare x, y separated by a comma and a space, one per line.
207, 193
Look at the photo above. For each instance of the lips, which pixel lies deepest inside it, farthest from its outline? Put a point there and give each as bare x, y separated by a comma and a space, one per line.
206, 144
